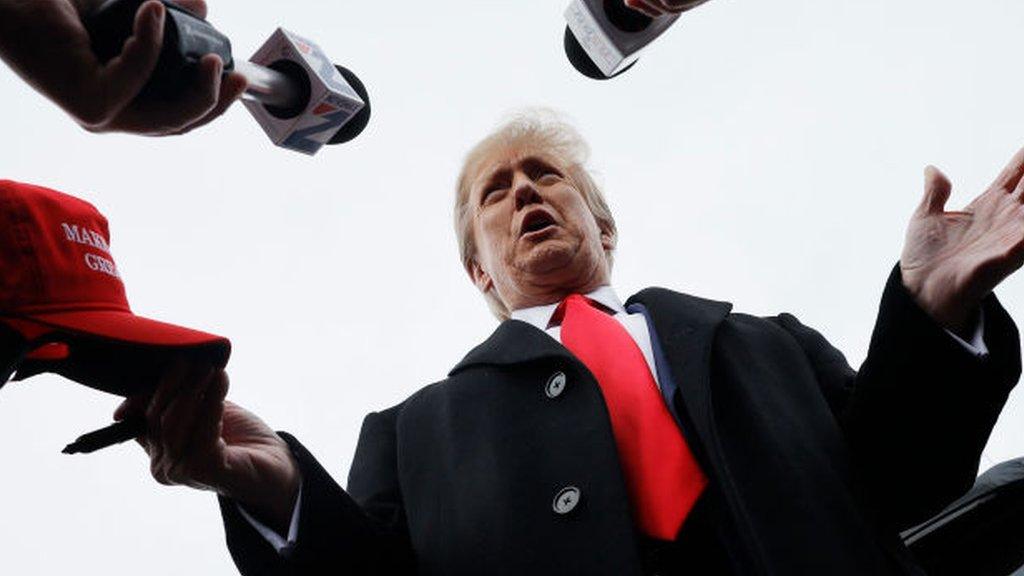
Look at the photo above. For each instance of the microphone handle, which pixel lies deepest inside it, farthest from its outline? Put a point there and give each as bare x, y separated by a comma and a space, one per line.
187, 38
281, 87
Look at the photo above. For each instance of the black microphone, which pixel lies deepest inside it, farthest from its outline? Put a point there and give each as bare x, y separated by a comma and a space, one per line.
604, 38
299, 98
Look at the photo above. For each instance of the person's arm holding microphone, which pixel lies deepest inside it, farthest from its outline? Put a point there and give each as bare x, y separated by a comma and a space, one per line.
46, 43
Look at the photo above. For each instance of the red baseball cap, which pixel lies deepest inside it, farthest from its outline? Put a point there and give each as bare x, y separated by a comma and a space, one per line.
57, 276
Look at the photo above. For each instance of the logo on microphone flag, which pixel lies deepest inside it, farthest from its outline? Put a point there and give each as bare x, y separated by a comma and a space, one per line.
332, 101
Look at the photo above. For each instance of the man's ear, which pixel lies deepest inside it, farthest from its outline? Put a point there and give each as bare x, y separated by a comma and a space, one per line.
480, 277
607, 242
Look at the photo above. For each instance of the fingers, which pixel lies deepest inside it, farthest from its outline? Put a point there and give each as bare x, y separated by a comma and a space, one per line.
122, 78
131, 406
231, 88
160, 118
122, 410
656, 8
203, 95
645, 7
162, 396
677, 6
1018, 192
207, 428
937, 189
188, 399
197, 7
1011, 175
179, 419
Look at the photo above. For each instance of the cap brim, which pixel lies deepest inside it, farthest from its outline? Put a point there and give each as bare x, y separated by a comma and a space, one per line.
125, 327
118, 352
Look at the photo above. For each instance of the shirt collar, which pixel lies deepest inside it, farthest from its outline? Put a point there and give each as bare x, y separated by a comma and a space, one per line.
540, 316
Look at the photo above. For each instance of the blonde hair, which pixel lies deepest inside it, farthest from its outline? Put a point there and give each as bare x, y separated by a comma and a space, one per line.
544, 131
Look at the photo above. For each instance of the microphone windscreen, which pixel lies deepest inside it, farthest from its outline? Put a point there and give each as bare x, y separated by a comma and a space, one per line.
581, 60
358, 123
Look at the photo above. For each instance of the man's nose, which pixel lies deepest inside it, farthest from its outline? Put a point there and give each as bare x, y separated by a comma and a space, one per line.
526, 193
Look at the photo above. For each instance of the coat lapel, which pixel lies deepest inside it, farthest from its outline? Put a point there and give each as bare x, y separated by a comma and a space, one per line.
683, 325
514, 342
684, 328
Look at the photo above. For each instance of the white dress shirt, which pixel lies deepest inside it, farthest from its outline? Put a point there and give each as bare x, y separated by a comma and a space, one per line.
540, 317
635, 324
280, 544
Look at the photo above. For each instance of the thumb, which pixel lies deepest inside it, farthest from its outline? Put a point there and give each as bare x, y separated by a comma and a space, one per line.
937, 188
131, 406
125, 75
122, 410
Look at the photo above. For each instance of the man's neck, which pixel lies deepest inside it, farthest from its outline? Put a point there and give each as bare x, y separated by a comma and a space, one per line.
540, 316
543, 295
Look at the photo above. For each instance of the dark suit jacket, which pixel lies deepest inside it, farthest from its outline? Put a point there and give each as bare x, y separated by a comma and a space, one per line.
814, 466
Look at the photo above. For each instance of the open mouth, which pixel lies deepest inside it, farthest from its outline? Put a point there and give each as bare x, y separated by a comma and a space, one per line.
536, 221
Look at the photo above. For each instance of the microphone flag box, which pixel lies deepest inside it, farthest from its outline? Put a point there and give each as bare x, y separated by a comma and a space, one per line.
332, 101
610, 47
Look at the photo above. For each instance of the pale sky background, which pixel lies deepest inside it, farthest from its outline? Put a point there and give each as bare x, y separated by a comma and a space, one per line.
765, 153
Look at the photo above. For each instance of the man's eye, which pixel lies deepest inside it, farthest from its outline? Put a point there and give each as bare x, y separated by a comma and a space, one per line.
490, 195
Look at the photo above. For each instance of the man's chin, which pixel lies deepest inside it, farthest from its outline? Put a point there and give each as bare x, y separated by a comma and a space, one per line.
548, 258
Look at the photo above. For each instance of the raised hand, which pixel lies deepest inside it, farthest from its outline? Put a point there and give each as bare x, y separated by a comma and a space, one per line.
952, 260
45, 42
195, 438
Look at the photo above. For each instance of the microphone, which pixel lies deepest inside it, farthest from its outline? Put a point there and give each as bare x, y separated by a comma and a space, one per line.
299, 98
604, 38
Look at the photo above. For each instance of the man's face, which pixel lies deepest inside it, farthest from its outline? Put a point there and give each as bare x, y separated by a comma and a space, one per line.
536, 239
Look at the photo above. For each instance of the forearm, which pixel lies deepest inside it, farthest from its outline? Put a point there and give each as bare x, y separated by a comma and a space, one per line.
922, 407
334, 534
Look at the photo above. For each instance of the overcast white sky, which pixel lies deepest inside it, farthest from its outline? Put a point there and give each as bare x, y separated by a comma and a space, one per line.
765, 153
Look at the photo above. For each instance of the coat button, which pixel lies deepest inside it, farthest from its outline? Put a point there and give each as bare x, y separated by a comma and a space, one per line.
555, 385
566, 499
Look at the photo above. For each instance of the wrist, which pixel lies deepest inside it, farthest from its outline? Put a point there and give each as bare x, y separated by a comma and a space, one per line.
936, 294
270, 491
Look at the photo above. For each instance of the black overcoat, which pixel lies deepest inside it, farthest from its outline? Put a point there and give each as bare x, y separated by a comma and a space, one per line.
816, 466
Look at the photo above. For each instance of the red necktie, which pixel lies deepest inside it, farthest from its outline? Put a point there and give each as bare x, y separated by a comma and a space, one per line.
662, 476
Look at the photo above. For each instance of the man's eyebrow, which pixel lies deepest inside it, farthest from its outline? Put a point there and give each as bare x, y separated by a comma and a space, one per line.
495, 174
499, 172
535, 162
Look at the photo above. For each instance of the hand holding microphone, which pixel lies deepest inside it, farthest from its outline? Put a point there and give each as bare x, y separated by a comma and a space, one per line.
297, 95
157, 67
47, 44
604, 38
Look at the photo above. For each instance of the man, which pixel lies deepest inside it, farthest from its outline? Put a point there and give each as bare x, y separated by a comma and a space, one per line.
662, 435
